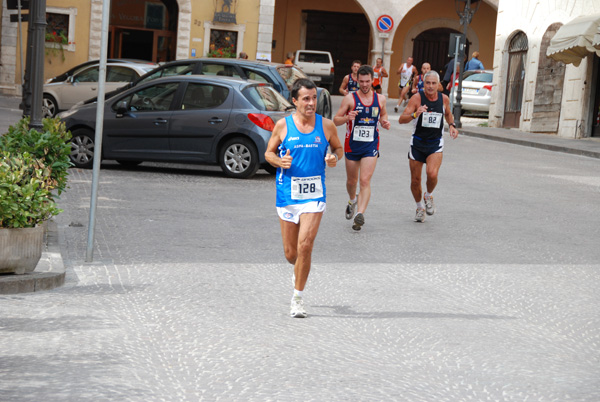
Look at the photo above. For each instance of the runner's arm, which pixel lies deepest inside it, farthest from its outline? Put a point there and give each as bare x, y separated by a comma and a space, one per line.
449, 117
383, 114
344, 115
412, 110
343, 88
279, 133
337, 152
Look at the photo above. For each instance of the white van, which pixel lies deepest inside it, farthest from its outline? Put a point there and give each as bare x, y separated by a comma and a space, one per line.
318, 65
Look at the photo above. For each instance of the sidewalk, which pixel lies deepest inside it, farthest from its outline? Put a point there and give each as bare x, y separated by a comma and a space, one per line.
50, 272
589, 147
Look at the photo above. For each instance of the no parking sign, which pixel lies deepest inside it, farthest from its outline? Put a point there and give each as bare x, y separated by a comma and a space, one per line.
385, 23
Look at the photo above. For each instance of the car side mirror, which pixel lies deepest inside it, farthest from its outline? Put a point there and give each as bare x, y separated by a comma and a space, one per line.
122, 108
71, 79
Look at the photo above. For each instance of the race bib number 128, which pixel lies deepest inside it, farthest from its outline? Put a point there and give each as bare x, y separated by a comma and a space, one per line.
306, 188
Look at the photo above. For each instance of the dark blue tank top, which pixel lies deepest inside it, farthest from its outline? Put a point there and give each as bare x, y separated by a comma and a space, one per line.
363, 133
430, 125
352, 84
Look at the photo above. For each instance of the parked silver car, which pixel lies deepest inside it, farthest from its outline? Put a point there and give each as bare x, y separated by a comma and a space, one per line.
476, 90
82, 84
183, 119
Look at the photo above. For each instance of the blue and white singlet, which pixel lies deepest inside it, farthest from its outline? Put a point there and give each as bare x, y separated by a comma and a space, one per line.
304, 181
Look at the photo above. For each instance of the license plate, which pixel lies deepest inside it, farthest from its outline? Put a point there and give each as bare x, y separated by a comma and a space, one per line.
470, 90
314, 77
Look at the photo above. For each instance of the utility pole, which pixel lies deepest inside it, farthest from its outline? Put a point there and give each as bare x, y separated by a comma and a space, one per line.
34, 70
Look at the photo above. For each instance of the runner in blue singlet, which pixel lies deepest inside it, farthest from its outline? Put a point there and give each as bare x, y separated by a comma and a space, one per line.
361, 111
427, 109
298, 149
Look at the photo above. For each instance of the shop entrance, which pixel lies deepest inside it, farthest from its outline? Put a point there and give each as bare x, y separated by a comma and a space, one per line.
144, 30
345, 35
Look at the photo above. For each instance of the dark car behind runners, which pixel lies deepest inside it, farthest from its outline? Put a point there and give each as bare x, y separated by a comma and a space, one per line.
182, 119
281, 76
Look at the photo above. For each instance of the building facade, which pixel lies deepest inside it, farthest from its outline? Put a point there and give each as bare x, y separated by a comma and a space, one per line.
163, 30
533, 92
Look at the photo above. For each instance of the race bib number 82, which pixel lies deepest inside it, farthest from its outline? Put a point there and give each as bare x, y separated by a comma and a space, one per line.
431, 119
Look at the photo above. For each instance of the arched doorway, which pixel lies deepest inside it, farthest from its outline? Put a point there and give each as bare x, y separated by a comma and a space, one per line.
432, 46
548, 88
515, 83
143, 30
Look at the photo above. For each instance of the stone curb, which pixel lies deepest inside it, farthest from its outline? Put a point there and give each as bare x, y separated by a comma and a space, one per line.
48, 274
533, 143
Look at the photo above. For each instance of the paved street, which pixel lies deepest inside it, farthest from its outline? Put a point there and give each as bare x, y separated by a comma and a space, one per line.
494, 298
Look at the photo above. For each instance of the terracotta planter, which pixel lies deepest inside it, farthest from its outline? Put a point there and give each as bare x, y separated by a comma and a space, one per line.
20, 249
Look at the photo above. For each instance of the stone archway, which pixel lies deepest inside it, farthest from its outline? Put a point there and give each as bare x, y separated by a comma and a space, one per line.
184, 24
417, 29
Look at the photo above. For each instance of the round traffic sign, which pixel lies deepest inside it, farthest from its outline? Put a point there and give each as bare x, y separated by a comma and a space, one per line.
385, 23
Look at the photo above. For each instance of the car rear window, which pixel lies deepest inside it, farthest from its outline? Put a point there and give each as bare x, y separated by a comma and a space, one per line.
219, 69
480, 77
314, 58
266, 98
290, 74
178, 69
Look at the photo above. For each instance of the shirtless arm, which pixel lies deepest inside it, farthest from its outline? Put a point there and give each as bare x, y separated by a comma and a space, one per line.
335, 145
344, 87
384, 72
414, 106
277, 137
346, 111
383, 114
449, 117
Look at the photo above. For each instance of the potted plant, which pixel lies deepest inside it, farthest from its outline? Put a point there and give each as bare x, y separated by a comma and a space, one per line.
33, 173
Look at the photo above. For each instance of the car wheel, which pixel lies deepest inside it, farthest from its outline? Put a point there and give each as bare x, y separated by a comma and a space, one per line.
49, 106
128, 163
239, 158
82, 148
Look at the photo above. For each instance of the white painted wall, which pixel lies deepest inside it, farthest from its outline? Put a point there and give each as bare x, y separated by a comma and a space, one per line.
534, 17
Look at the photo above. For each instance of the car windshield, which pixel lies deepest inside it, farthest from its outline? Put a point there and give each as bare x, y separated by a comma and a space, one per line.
290, 74
480, 77
266, 98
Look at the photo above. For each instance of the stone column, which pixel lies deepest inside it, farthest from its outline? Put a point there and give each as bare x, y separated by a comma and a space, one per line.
264, 44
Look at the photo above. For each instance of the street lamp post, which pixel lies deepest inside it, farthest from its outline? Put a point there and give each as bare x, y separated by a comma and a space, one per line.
465, 10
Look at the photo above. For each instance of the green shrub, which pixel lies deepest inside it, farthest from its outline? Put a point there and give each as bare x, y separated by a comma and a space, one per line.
25, 193
33, 172
51, 145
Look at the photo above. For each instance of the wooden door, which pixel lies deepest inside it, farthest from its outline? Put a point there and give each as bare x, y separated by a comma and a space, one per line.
515, 82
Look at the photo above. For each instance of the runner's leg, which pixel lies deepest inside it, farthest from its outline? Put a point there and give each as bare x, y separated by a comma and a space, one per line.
367, 168
309, 227
434, 162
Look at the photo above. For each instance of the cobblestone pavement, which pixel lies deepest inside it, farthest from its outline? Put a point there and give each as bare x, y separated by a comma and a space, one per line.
494, 298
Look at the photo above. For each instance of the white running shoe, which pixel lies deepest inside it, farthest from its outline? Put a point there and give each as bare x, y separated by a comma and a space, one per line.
420, 217
429, 207
350, 209
359, 220
297, 308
